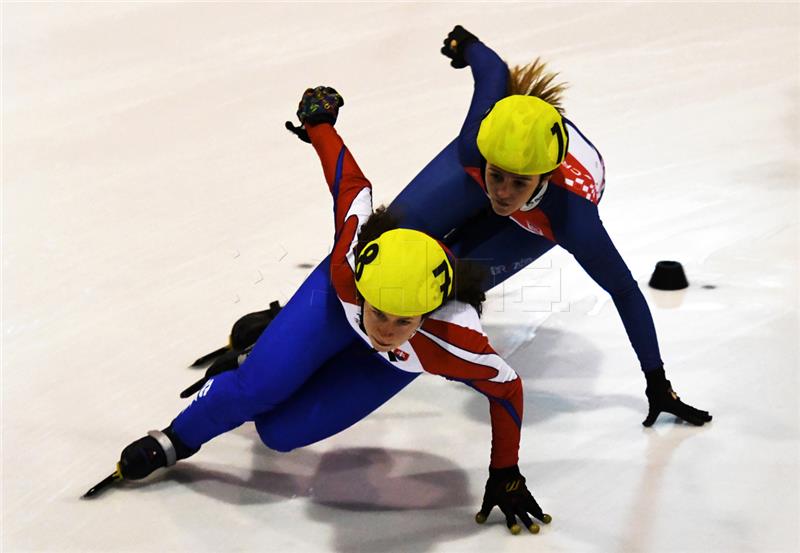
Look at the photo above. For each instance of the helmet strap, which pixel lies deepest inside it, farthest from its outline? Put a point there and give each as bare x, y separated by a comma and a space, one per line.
361, 317
537, 195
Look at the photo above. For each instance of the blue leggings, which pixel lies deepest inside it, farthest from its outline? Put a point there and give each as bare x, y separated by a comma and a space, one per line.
309, 375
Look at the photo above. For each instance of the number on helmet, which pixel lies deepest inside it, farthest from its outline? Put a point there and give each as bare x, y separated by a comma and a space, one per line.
443, 268
366, 257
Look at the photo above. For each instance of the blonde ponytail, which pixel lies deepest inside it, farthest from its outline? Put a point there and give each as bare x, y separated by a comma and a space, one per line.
533, 79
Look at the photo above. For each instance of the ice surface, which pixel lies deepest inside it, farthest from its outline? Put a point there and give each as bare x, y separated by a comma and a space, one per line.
151, 196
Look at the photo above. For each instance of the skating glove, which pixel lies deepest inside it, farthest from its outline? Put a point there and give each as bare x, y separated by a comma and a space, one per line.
662, 398
318, 105
157, 449
455, 44
506, 489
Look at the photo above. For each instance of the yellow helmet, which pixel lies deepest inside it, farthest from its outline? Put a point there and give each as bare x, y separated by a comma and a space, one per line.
523, 135
404, 273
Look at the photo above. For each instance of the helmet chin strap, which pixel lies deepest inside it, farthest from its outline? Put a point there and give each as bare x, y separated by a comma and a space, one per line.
537, 195
361, 317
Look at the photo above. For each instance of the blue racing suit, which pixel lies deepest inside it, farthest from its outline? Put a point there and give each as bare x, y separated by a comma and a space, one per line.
566, 214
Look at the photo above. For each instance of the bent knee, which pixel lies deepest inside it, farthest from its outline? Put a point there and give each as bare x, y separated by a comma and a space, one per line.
275, 438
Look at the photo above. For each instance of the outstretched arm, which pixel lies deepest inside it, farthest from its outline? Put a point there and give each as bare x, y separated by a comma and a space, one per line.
586, 238
463, 353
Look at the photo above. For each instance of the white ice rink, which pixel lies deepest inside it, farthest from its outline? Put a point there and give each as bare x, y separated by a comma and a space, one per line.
151, 196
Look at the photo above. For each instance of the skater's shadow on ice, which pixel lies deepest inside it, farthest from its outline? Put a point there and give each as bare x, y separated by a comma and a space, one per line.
358, 479
374, 498
558, 371
388, 500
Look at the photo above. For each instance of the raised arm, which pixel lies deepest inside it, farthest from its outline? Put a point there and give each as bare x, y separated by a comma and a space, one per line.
344, 177
490, 74
351, 191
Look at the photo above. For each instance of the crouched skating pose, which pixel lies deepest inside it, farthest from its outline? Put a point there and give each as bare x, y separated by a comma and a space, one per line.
388, 304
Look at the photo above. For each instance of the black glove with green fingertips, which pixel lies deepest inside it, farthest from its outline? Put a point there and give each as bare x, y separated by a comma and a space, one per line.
506, 489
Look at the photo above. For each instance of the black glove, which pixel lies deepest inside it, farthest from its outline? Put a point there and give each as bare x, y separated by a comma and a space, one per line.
157, 449
318, 105
506, 489
454, 45
662, 398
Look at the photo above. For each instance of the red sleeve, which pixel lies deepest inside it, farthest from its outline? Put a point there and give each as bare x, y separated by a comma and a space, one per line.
464, 354
344, 177
505, 410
